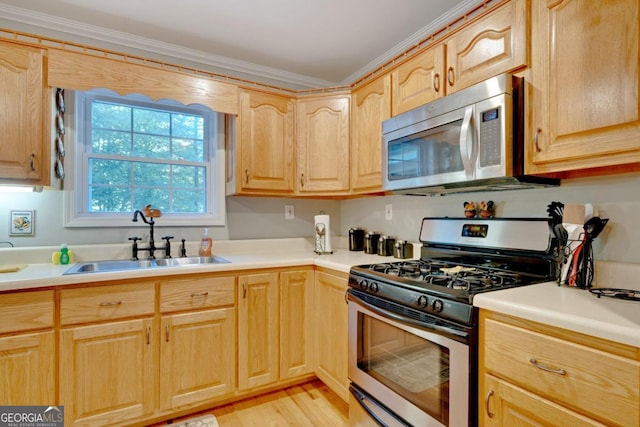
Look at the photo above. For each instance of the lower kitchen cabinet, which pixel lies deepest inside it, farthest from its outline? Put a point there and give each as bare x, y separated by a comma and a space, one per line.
197, 347
257, 330
27, 352
331, 331
107, 372
296, 349
533, 374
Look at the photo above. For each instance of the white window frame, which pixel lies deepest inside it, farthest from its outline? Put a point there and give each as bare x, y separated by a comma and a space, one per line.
76, 190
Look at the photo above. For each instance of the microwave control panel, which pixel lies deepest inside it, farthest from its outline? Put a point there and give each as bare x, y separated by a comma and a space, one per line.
490, 138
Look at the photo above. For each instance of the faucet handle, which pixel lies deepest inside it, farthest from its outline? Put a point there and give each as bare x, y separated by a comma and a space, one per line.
183, 249
134, 238
167, 238
134, 249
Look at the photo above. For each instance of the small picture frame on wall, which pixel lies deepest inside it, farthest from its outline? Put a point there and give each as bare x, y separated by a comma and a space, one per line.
22, 223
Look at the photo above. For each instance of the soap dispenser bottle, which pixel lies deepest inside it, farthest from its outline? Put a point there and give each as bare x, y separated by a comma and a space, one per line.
64, 254
205, 244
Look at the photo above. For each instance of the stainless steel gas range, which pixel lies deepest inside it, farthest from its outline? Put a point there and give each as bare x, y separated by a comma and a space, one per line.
412, 324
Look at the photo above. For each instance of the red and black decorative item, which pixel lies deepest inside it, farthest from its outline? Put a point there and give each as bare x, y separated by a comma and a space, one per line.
487, 209
469, 209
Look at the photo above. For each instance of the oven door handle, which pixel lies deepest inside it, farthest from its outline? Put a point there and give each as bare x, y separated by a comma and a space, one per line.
370, 406
404, 319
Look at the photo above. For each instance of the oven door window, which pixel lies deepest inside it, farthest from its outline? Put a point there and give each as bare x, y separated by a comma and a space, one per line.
431, 152
415, 368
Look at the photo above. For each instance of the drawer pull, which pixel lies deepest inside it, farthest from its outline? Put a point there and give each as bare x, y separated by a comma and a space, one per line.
199, 294
486, 404
148, 334
535, 363
166, 333
109, 303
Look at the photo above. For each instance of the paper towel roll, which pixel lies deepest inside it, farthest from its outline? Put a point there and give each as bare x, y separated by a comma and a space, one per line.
322, 226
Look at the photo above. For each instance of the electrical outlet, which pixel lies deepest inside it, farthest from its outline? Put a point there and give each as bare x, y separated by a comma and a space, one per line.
388, 212
288, 212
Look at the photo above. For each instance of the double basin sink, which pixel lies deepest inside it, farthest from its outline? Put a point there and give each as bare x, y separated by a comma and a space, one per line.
123, 265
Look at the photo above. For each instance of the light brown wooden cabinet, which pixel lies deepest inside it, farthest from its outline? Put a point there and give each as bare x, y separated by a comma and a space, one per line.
197, 346
541, 375
25, 154
584, 85
331, 331
296, 329
264, 144
371, 105
108, 365
258, 341
494, 44
27, 348
322, 134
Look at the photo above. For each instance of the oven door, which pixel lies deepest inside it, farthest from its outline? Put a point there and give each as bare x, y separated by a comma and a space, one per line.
416, 374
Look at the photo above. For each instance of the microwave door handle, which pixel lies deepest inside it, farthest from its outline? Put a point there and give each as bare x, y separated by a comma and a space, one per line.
466, 136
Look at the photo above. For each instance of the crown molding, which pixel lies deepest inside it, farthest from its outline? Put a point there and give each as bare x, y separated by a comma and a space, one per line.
413, 40
96, 33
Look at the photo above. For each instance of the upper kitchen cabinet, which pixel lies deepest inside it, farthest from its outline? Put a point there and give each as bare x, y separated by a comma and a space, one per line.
418, 81
24, 157
323, 144
371, 106
264, 150
584, 85
495, 44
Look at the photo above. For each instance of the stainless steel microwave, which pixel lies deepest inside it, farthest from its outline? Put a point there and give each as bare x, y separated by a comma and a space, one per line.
471, 140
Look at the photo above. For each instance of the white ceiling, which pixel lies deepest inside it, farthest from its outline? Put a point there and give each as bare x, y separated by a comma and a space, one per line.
294, 42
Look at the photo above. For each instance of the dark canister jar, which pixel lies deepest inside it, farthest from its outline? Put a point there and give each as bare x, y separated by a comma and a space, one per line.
371, 242
356, 239
403, 249
385, 245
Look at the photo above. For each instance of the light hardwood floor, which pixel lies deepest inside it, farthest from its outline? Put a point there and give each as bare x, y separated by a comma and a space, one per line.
309, 404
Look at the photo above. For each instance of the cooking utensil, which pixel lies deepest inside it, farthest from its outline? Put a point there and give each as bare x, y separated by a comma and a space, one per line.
594, 226
555, 211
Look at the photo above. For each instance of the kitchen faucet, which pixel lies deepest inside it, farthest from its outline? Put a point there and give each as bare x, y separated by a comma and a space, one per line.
151, 213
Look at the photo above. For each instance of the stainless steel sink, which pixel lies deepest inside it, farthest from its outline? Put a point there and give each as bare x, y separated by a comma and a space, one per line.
123, 265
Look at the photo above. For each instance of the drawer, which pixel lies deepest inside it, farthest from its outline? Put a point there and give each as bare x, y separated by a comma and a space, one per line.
23, 311
100, 303
602, 385
196, 292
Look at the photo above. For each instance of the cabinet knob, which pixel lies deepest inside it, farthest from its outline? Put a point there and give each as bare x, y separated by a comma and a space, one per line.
436, 82
32, 162
301, 180
535, 139
246, 176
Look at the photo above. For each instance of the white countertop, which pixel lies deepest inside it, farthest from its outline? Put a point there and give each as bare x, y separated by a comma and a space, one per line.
564, 307
573, 308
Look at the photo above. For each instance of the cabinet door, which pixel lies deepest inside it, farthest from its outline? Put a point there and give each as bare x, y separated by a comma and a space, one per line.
27, 364
197, 358
257, 330
371, 106
585, 85
323, 144
505, 405
266, 144
331, 333
418, 81
495, 44
107, 372
21, 114
296, 350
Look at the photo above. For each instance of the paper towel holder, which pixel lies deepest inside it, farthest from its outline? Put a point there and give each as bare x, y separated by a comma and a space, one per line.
322, 234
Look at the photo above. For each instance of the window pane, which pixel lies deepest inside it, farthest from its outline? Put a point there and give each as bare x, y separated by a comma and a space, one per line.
151, 174
110, 116
189, 176
112, 172
151, 121
189, 201
110, 142
151, 146
109, 199
188, 149
187, 126
157, 197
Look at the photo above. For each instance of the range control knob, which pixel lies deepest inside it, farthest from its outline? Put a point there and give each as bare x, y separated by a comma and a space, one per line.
373, 287
363, 284
437, 306
422, 301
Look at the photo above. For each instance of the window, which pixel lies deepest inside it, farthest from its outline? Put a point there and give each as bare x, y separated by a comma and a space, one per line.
130, 152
